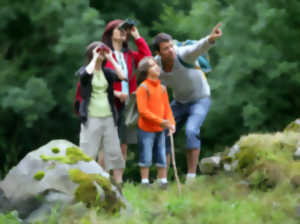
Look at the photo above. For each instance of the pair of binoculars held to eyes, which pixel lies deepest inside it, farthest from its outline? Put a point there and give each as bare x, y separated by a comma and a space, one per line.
127, 24
103, 48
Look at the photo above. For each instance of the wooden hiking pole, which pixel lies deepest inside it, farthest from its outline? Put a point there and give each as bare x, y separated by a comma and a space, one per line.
174, 163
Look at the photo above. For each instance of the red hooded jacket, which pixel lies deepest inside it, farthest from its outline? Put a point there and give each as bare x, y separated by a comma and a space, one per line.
132, 59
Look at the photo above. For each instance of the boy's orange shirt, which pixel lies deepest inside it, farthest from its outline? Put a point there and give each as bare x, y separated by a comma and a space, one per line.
153, 106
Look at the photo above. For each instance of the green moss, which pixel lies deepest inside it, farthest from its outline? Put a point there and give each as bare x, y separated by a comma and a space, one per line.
73, 155
39, 175
55, 150
247, 159
87, 191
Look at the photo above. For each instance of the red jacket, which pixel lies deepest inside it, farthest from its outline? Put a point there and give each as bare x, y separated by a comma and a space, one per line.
132, 58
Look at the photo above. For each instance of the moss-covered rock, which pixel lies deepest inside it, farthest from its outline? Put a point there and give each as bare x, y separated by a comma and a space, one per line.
52, 182
264, 160
266, 175
293, 126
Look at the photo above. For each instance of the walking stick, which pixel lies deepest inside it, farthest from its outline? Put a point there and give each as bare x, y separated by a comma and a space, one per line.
174, 163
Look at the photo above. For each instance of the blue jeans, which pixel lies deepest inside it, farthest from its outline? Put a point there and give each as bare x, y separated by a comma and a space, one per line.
152, 144
193, 115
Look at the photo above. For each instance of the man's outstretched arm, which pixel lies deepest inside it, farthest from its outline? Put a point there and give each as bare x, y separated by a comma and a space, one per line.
190, 53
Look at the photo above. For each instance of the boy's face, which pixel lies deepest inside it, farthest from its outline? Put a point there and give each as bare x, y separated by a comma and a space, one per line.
154, 69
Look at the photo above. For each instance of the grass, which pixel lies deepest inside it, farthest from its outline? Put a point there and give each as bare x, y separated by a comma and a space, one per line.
209, 200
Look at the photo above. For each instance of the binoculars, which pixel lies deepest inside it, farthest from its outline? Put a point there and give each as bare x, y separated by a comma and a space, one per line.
127, 24
104, 48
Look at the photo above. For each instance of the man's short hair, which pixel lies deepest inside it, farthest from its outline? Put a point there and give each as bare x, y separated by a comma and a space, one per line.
160, 38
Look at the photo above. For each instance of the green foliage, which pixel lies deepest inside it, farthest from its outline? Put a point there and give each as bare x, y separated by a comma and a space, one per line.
10, 218
211, 199
23, 100
43, 44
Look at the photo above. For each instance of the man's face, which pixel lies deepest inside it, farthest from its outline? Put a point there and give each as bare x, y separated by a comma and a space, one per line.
167, 51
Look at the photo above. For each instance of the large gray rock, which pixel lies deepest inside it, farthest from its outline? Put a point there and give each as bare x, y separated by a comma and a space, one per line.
57, 172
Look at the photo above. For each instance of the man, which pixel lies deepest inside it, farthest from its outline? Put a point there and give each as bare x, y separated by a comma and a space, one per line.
190, 89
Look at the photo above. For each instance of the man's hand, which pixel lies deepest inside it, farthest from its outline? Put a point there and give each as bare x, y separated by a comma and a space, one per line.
215, 33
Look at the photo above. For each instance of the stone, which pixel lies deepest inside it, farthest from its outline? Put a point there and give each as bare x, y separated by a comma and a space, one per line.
56, 173
234, 150
210, 165
229, 167
297, 153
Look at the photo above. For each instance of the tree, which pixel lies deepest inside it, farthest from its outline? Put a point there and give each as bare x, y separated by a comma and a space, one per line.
43, 45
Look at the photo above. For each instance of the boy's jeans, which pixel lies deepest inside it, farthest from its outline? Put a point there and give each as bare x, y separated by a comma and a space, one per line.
193, 115
152, 144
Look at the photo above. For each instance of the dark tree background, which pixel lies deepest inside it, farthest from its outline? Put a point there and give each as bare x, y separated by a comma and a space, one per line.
255, 79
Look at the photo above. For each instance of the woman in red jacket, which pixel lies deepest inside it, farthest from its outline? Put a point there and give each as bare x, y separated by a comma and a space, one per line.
117, 39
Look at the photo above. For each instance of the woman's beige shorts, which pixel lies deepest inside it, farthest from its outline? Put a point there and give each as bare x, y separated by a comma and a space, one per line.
101, 133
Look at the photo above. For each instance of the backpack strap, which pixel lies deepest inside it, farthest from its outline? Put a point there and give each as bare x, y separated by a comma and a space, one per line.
164, 88
187, 65
145, 86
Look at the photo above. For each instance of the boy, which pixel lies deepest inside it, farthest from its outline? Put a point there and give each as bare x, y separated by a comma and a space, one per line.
155, 115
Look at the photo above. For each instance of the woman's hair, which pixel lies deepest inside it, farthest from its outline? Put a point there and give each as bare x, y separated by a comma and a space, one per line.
160, 38
108, 32
89, 50
143, 67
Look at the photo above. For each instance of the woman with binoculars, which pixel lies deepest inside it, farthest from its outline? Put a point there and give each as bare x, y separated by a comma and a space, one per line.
116, 36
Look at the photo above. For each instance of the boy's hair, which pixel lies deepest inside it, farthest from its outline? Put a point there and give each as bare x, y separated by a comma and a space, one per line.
143, 67
160, 38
